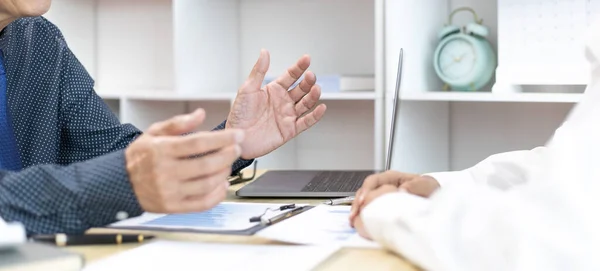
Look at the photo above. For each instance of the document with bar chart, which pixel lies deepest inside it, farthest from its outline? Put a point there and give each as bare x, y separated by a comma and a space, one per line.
322, 225
227, 216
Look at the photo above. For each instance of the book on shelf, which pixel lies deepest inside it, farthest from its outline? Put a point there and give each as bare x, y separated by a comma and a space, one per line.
340, 82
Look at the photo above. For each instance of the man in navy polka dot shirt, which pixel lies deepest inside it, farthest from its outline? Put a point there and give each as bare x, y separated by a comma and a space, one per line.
66, 162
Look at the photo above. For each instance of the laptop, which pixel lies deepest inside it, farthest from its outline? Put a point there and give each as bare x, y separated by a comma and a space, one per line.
319, 183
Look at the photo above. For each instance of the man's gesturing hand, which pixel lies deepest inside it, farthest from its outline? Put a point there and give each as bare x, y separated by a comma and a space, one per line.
164, 177
273, 115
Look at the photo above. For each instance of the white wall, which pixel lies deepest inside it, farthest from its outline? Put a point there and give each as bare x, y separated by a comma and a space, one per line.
135, 48
479, 130
153, 59
338, 34
78, 28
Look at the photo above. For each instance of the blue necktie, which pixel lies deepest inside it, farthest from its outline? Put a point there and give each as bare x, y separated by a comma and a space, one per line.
9, 155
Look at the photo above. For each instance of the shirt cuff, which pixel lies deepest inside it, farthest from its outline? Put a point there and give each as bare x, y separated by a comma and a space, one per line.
110, 196
239, 165
395, 220
452, 177
391, 208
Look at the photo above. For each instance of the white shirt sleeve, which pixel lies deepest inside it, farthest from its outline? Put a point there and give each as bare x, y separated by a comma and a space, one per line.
503, 170
550, 222
481, 228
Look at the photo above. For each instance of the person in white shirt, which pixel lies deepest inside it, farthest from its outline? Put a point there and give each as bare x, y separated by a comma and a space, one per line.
522, 210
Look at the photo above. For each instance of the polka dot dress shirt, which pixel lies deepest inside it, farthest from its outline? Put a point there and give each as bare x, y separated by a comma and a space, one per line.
73, 174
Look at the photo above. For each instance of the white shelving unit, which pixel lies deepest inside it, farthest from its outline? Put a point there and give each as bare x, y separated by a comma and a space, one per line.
153, 59
441, 131
156, 58
494, 97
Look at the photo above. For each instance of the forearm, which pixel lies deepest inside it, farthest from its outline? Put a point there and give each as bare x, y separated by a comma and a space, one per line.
68, 199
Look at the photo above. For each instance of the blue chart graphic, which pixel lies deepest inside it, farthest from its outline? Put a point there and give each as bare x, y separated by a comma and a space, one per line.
220, 217
340, 232
342, 212
343, 235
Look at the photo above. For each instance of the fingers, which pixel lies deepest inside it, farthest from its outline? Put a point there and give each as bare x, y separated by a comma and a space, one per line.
163, 182
310, 119
380, 191
188, 169
374, 186
304, 87
203, 203
308, 101
390, 177
368, 197
204, 186
294, 72
423, 186
178, 125
356, 203
360, 228
257, 75
198, 143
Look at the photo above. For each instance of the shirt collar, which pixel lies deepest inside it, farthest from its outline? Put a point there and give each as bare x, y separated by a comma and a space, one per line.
3, 39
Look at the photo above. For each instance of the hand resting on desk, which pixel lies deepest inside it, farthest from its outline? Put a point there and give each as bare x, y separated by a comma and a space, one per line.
390, 181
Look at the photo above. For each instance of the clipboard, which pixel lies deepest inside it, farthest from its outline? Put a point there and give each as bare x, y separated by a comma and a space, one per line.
143, 222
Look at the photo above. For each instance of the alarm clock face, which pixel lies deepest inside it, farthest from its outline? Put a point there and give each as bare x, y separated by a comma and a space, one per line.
457, 59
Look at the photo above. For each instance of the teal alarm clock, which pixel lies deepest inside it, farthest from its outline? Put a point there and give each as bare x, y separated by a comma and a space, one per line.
464, 59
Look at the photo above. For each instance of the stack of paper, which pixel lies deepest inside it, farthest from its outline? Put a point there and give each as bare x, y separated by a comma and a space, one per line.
11, 234
31, 256
171, 255
320, 225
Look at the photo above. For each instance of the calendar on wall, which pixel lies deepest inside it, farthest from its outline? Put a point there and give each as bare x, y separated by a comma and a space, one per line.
541, 42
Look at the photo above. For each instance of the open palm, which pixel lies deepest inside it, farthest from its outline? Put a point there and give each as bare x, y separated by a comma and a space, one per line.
272, 115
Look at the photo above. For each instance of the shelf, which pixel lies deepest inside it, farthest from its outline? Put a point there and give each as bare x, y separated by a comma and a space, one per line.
348, 96
166, 95
109, 96
493, 97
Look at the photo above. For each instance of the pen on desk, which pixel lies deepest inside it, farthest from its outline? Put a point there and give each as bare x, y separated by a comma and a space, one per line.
282, 216
341, 201
90, 239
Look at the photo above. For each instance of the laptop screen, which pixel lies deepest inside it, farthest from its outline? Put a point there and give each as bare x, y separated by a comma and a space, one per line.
388, 161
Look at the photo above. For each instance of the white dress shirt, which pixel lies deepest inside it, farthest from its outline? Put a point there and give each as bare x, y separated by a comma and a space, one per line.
522, 210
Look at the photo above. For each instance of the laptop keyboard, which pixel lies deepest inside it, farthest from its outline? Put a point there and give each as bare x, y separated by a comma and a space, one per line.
336, 181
